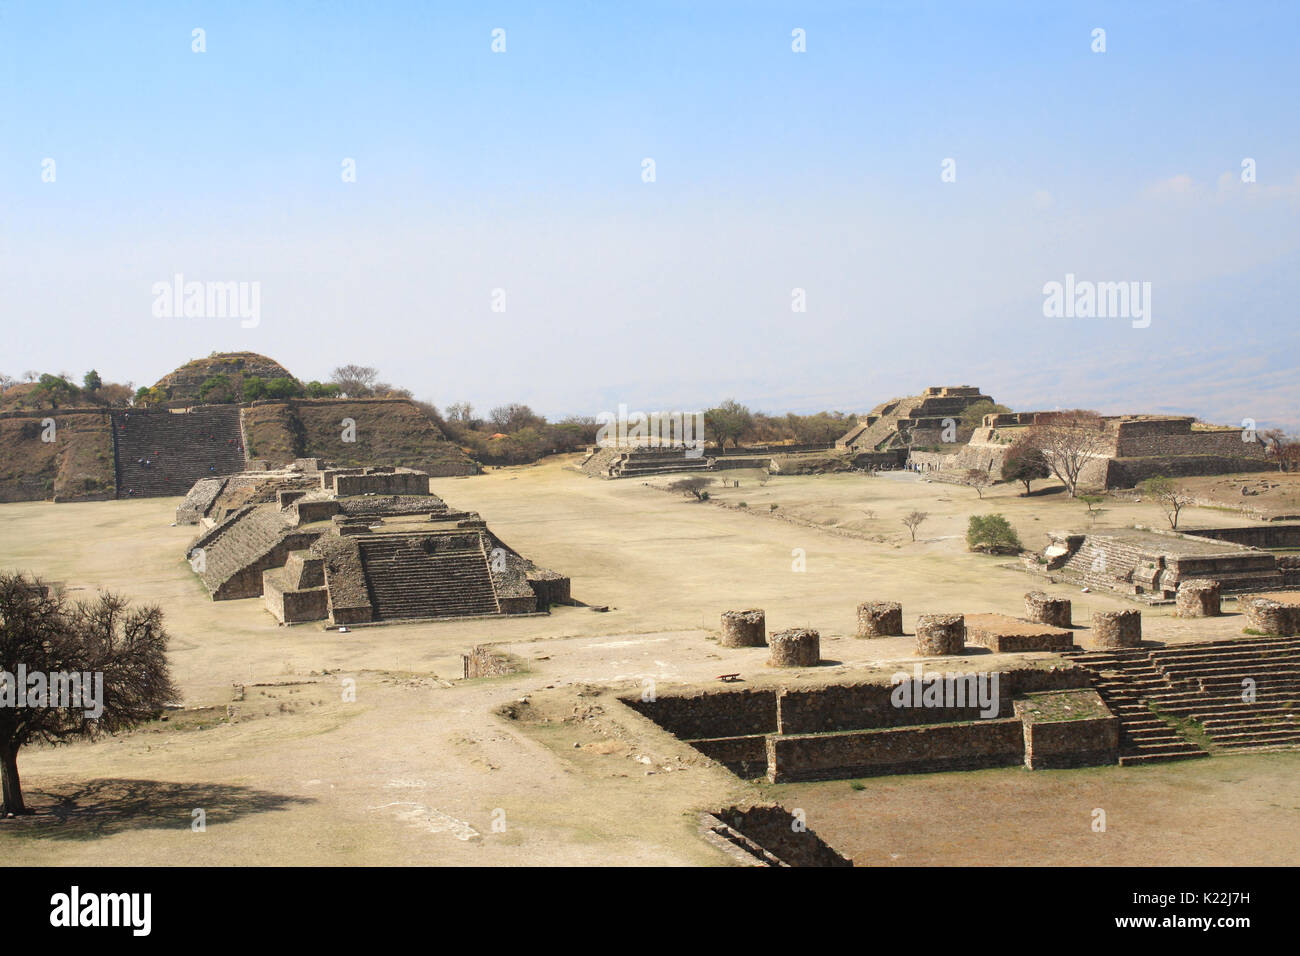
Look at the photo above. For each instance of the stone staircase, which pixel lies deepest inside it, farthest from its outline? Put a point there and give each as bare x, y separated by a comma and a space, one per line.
178, 447
639, 464
406, 581
1201, 683
1103, 562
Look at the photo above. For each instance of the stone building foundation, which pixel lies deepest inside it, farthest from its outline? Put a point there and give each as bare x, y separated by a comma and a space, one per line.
1198, 597
744, 629
1042, 608
1271, 617
880, 619
796, 647
940, 634
1117, 629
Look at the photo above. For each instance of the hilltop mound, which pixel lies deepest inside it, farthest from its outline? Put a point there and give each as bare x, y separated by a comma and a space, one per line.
182, 386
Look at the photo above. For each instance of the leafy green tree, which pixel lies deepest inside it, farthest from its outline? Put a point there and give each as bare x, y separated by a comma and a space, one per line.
973, 416
55, 389
992, 534
91, 381
217, 390
1025, 463
149, 396
730, 421
254, 388
283, 388
316, 389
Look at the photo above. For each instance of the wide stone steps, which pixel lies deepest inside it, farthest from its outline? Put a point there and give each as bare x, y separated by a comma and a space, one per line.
406, 582
1201, 683
162, 454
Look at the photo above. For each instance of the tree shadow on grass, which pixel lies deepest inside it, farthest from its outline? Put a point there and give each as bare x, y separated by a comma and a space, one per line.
101, 808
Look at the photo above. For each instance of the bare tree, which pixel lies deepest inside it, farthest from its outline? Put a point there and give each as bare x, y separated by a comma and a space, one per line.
692, 487
513, 417
358, 381
121, 650
913, 520
1172, 497
979, 479
1282, 448
1068, 441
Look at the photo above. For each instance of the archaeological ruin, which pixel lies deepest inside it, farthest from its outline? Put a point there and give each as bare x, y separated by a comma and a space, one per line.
889, 431
1150, 566
353, 546
98, 453
1133, 449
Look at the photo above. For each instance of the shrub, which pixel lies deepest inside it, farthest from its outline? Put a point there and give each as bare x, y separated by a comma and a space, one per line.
992, 534
217, 390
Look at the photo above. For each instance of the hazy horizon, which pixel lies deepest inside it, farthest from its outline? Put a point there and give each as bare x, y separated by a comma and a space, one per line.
775, 171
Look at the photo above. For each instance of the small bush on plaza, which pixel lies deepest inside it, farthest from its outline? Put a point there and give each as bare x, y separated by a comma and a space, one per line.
992, 534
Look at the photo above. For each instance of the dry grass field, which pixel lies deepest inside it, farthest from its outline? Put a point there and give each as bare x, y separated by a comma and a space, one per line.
425, 768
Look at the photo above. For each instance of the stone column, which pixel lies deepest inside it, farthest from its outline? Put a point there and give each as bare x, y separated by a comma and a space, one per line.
796, 647
940, 634
1117, 629
1042, 608
1269, 617
744, 629
880, 619
1198, 597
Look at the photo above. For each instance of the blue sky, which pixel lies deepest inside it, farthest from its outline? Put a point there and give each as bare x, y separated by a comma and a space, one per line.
775, 170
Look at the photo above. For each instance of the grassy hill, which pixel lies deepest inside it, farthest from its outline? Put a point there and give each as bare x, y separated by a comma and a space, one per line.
388, 432
76, 466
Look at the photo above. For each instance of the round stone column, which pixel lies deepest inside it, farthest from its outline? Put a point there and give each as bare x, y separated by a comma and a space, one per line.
1198, 597
1269, 617
940, 634
744, 628
1042, 608
1117, 629
796, 647
880, 619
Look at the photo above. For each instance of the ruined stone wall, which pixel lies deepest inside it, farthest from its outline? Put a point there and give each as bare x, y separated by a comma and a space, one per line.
390, 483
293, 606
744, 756
309, 511
1072, 743
1255, 536
932, 747
1141, 440
247, 581
1130, 472
711, 713
868, 705
772, 828
481, 661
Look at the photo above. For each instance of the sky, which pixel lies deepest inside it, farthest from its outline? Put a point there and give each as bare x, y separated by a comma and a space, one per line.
915, 177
